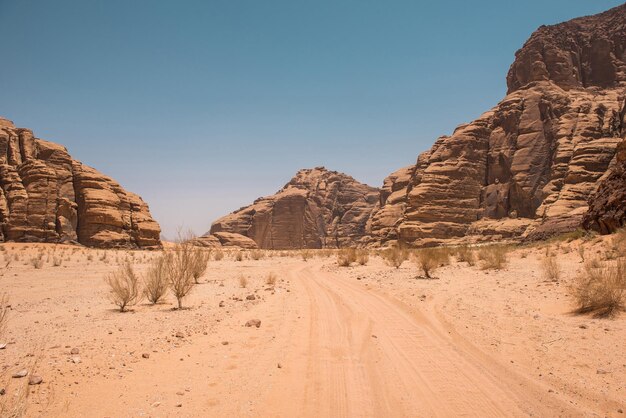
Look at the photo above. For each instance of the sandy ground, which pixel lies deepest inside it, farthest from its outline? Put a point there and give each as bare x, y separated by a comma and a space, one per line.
343, 342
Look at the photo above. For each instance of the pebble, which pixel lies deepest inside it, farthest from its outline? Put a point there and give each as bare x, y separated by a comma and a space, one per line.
583, 326
2, 391
224, 342
75, 351
20, 374
3, 346
76, 360
250, 297
253, 323
180, 335
145, 355
35, 380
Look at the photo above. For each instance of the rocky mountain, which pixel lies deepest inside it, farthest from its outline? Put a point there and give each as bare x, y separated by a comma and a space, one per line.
46, 196
318, 208
529, 166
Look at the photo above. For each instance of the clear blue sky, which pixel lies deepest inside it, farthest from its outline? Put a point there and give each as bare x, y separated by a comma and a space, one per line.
202, 106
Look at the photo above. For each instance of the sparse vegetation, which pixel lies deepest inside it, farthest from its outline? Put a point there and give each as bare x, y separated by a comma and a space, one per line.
428, 259
219, 254
257, 255
362, 257
395, 256
271, 279
37, 262
124, 287
550, 267
180, 269
305, 254
493, 257
601, 288
243, 282
465, 254
239, 256
346, 256
156, 279
199, 262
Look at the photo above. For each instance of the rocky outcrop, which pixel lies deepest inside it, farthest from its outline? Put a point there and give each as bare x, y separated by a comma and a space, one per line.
529, 165
46, 196
318, 208
607, 206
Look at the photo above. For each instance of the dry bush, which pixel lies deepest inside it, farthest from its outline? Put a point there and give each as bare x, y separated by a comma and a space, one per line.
346, 256
37, 262
601, 288
581, 252
243, 282
239, 256
156, 279
219, 254
124, 287
362, 257
271, 279
395, 256
199, 260
428, 259
257, 255
180, 268
57, 261
90, 257
550, 268
493, 257
465, 254
305, 254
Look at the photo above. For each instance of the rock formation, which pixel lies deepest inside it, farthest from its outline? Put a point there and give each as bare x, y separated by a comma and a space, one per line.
528, 166
46, 196
318, 208
607, 206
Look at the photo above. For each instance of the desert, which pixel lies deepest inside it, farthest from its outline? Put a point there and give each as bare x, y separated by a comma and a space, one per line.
486, 277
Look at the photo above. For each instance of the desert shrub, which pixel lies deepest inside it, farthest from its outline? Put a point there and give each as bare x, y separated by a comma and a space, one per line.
493, 257
90, 257
428, 259
465, 254
180, 269
124, 287
256, 254
243, 282
395, 256
271, 279
346, 256
219, 254
550, 268
581, 252
57, 261
156, 279
37, 262
239, 256
601, 288
362, 257
199, 261
305, 254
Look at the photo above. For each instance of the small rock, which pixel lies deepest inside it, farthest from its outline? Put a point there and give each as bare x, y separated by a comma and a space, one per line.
75, 351
76, 360
145, 355
250, 297
20, 374
601, 371
3, 346
224, 342
280, 366
180, 335
583, 326
156, 404
179, 405
2, 391
620, 411
180, 393
221, 304
35, 380
374, 336
253, 323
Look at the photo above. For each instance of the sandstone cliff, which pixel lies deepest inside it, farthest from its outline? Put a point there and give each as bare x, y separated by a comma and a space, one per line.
46, 196
528, 166
318, 208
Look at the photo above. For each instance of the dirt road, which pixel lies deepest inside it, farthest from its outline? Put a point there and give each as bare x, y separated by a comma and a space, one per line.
329, 347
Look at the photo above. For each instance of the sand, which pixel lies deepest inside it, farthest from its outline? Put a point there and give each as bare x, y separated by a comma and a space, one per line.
334, 341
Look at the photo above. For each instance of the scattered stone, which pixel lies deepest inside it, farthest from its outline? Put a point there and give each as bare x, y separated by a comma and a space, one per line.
75, 351
601, 371
180, 335
374, 336
583, 326
253, 323
179, 405
145, 355
156, 404
3, 346
280, 366
35, 380
224, 342
2, 391
20, 374
76, 360
250, 297
221, 304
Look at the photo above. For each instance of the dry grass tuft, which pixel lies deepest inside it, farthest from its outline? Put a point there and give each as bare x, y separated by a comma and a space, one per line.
243, 282
362, 257
199, 260
306, 254
156, 279
395, 256
493, 257
271, 279
180, 269
550, 267
219, 254
124, 287
239, 256
601, 288
428, 259
346, 256
465, 254
37, 262
257, 255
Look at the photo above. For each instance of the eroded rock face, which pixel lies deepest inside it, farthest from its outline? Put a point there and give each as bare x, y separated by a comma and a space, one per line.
530, 163
607, 206
318, 208
46, 196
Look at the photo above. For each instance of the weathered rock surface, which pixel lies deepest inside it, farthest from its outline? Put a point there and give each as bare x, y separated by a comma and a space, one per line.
46, 196
318, 208
532, 162
607, 206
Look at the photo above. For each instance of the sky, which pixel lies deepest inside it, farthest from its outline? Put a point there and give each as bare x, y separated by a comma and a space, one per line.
200, 107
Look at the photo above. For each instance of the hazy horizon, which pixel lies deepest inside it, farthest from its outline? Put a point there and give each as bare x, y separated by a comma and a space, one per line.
203, 107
